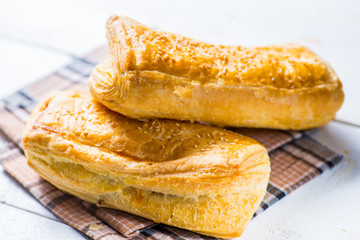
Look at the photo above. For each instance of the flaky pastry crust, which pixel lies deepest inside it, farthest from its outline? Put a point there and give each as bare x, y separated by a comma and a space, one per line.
188, 175
154, 74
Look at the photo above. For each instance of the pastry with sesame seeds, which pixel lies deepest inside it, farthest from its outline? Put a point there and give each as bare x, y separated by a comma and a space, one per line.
155, 74
189, 175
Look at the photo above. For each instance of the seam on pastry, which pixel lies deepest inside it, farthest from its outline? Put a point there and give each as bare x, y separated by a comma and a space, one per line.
225, 172
200, 173
116, 184
201, 181
238, 86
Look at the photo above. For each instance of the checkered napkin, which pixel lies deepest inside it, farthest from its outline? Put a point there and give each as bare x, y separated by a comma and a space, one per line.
295, 159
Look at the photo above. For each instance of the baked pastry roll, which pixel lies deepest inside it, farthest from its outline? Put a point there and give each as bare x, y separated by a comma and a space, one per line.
154, 74
202, 178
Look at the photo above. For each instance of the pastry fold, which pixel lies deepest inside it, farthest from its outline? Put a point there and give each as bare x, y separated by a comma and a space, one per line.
154, 74
202, 178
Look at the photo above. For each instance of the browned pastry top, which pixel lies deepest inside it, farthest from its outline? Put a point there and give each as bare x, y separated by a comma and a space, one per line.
288, 66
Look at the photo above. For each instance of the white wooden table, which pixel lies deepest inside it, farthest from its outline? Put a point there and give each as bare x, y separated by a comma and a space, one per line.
37, 37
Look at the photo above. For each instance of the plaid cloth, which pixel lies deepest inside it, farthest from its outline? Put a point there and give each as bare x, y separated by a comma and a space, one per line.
295, 159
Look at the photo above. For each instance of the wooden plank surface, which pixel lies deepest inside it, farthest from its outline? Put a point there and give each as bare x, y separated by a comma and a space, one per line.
18, 224
22, 64
37, 37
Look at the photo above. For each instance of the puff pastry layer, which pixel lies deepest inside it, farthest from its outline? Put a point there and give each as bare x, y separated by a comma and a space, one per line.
191, 176
154, 74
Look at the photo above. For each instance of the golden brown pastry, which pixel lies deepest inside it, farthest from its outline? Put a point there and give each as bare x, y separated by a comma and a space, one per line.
191, 176
153, 74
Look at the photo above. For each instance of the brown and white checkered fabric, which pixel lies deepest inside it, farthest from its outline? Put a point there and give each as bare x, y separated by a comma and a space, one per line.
295, 159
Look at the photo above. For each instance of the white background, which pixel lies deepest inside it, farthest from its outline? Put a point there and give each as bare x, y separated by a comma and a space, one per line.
37, 37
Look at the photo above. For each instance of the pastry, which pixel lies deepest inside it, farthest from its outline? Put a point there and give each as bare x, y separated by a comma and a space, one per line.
193, 176
154, 74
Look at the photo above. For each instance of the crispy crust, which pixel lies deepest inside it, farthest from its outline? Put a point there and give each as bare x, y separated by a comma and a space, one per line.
192, 176
153, 74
